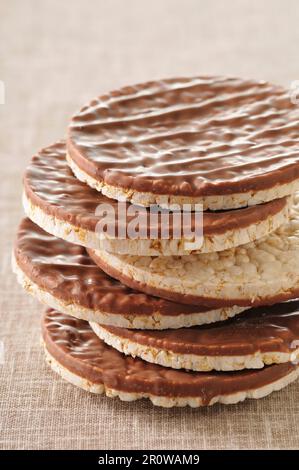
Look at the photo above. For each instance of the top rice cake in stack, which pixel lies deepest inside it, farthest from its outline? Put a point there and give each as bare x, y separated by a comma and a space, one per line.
221, 142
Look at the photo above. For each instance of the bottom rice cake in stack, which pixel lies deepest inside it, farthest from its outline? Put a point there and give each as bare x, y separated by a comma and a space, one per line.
248, 356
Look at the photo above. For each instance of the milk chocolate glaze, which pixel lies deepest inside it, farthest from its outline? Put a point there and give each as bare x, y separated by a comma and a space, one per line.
50, 184
76, 347
195, 136
264, 329
68, 273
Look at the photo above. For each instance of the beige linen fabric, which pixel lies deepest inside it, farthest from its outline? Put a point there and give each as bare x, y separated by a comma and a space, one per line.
55, 56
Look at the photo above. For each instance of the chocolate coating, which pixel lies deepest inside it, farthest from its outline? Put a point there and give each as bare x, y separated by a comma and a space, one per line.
264, 329
50, 184
68, 273
76, 347
192, 137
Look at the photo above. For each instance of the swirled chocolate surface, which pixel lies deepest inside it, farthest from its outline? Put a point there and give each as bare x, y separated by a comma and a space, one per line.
51, 185
264, 329
73, 344
68, 273
191, 137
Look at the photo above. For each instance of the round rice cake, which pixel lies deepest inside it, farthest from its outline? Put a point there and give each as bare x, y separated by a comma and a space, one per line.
63, 276
260, 336
219, 141
65, 207
265, 271
76, 353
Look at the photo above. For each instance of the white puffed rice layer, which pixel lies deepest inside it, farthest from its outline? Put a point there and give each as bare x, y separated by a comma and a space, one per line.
259, 270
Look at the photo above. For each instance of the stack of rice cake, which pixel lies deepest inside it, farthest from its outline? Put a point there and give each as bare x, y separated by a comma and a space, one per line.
178, 323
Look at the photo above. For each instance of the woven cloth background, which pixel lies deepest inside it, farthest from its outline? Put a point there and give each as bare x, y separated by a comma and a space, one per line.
54, 56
